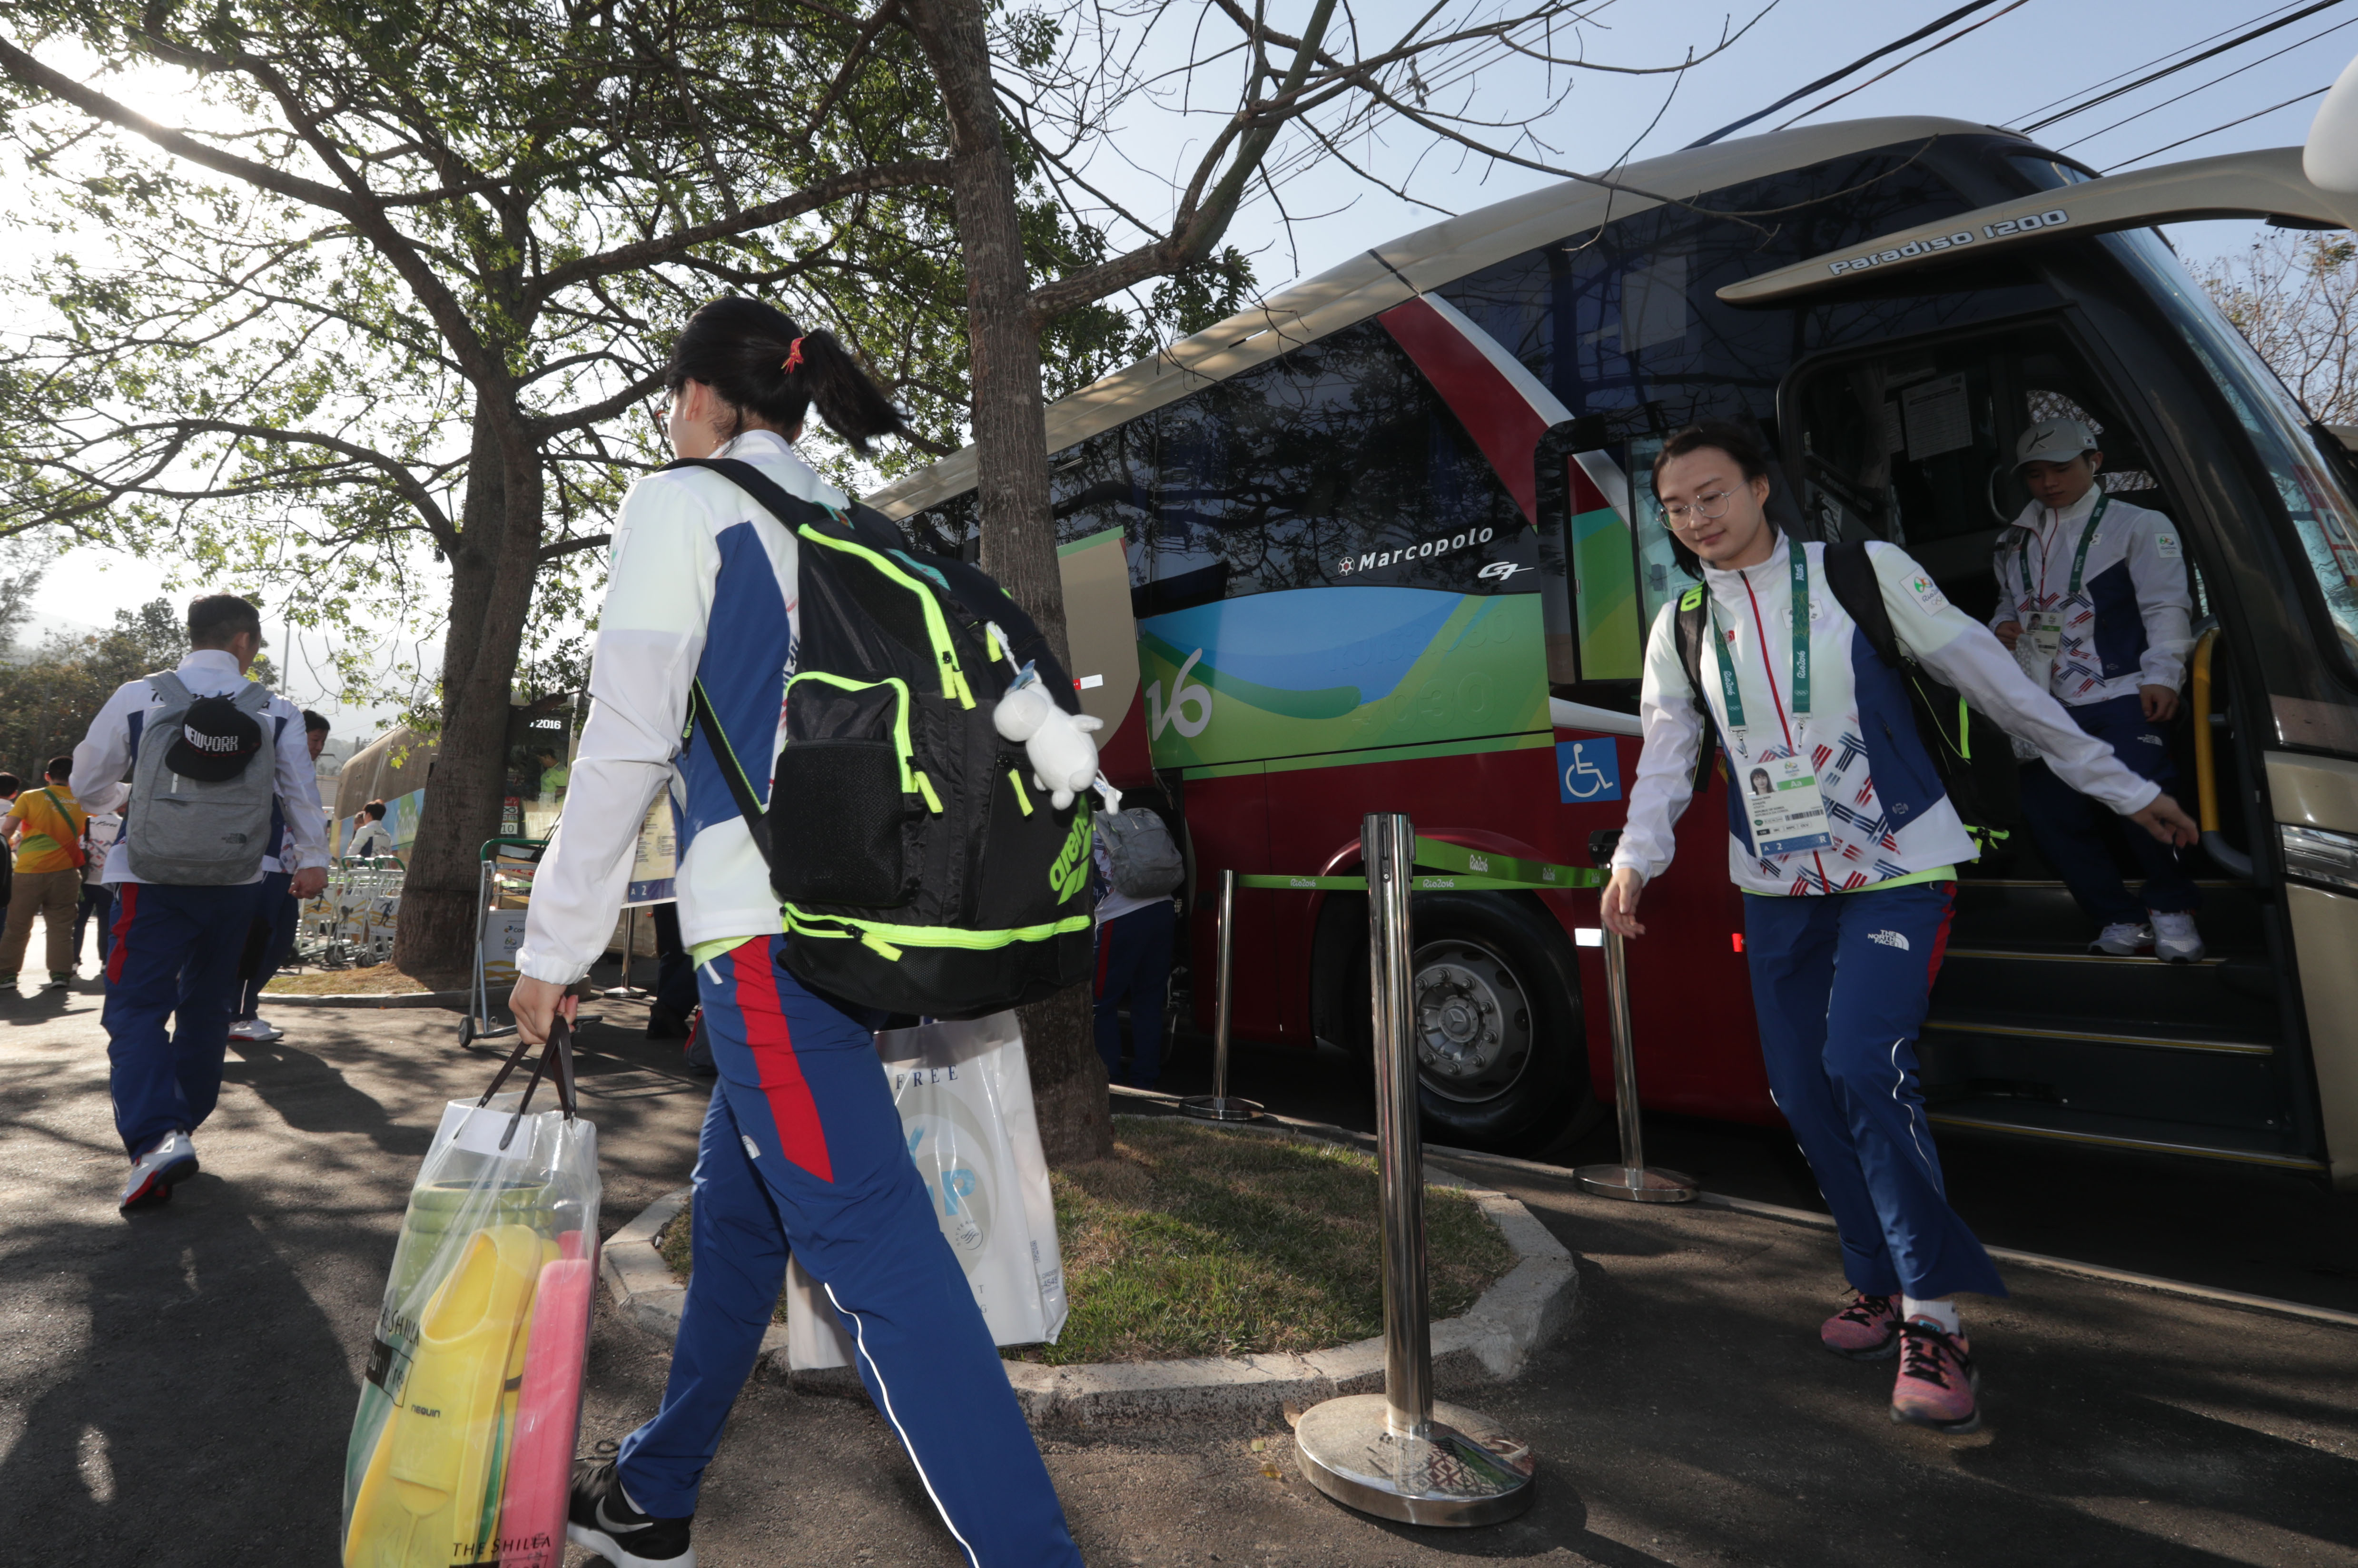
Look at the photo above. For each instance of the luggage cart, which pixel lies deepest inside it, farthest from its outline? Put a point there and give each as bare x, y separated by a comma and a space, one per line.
349, 922
504, 870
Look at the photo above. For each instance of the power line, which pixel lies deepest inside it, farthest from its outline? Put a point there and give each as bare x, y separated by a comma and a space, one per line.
2237, 42
2214, 81
2156, 60
1859, 64
1911, 60
2214, 130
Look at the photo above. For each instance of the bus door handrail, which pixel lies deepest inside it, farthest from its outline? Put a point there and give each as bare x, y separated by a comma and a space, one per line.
2206, 780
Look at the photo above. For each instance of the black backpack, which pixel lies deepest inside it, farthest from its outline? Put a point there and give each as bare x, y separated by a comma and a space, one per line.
1942, 722
919, 870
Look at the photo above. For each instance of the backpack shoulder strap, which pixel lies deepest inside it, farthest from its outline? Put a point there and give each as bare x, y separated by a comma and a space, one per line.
1851, 575
1692, 625
775, 498
167, 684
732, 772
253, 701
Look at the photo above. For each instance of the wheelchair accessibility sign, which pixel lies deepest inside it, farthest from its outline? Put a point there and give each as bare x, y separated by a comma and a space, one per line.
1587, 772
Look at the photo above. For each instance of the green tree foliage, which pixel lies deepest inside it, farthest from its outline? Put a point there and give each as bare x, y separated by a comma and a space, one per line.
48, 701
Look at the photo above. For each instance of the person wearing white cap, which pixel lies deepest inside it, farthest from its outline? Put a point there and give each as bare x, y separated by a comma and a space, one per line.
2093, 599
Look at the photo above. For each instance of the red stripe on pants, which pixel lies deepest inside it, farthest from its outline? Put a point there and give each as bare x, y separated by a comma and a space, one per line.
126, 904
772, 1042
1941, 940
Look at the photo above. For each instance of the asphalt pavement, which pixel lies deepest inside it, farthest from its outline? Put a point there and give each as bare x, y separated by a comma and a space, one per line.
175, 1387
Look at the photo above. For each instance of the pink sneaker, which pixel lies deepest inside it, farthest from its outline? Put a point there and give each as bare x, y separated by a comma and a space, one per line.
1866, 1330
1937, 1382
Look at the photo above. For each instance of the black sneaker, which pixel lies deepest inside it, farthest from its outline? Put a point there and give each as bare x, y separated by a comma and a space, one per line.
600, 1517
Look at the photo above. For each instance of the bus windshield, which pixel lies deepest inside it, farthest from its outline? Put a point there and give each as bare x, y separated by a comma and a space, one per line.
2320, 510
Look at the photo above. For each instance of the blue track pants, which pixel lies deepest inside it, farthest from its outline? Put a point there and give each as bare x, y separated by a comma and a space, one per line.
1840, 983
1134, 961
268, 939
2068, 828
173, 958
802, 1150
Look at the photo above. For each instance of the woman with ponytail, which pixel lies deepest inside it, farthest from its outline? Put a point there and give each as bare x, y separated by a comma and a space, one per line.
802, 1151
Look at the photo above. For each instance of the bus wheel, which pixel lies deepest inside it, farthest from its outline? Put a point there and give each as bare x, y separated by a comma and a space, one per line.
1502, 1061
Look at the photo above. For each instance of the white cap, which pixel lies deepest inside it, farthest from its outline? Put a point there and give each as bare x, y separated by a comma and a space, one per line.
2053, 441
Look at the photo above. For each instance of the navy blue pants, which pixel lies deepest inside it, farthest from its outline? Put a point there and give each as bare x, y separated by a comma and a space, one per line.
1840, 983
2068, 828
1134, 962
97, 898
802, 1151
171, 979
268, 939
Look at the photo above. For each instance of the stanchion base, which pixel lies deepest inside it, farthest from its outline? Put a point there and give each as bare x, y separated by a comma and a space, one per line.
627, 993
1216, 1107
1649, 1183
1465, 1471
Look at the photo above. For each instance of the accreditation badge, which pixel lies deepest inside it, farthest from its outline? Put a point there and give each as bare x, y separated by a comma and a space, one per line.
2035, 650
1784, 808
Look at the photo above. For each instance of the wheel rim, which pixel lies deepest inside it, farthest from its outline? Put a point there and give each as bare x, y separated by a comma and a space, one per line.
1473, 1022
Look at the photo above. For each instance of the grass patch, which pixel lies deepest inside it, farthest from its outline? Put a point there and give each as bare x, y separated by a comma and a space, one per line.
1192, 1241
374, 979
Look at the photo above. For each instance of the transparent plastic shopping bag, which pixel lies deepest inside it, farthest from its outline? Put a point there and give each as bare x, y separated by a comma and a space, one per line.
965, 1096
463, 1444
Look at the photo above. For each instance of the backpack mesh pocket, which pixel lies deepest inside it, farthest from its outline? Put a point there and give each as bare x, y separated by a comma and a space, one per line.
838, 820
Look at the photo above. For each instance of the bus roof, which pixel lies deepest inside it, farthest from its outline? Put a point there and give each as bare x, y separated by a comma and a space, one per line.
1376, 280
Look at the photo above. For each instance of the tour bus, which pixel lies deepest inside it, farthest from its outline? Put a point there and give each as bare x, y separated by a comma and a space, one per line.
1387, 544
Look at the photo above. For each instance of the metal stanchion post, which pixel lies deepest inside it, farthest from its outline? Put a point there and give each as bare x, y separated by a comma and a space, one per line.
1630, 1179
1216, 1106
1399, 1455
626, 991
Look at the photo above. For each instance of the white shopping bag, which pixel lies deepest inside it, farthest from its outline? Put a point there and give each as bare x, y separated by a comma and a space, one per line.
965, 1096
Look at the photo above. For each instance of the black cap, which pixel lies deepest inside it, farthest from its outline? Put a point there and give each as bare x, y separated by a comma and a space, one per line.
216, 741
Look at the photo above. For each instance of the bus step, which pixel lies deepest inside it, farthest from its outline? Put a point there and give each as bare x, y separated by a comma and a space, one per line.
2070, 1124
2205, 1079
1998, 912
2070, 988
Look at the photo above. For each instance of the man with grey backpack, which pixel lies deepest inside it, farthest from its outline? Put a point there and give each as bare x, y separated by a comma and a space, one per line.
1139, 868
209, 754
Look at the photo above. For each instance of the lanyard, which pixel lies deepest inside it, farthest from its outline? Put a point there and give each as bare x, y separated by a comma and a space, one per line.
1728, 688
2078, 557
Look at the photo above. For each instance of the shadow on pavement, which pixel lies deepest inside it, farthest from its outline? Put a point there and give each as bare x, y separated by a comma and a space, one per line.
203, 1418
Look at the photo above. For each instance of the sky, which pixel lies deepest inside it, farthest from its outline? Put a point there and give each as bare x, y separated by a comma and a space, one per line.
2019, 60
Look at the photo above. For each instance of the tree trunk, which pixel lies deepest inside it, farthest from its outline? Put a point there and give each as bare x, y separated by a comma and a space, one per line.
491, 578
1019, 539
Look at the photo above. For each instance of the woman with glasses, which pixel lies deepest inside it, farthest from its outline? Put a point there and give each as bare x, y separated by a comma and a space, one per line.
801, 1149
1849, 857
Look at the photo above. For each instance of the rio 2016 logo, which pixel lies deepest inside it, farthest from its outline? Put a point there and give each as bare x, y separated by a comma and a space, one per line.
1183, 696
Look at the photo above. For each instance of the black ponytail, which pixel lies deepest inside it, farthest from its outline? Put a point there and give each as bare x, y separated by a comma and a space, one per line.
759, 360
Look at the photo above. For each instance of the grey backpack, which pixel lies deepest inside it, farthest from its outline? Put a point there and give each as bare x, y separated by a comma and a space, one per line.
1140, 860
189, 832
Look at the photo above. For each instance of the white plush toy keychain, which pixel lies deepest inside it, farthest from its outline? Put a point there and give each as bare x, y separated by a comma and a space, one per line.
1064, 759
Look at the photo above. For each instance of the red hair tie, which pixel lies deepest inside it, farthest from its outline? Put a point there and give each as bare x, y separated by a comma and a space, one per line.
794, 361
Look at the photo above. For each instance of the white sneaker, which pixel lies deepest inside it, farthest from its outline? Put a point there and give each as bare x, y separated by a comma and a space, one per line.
2123, 939
153, 1174
2175, 940
256, 1029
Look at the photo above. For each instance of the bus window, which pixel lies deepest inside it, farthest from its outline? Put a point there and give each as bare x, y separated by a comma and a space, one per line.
2319, 508
952, 527
1105, 485
1336, 464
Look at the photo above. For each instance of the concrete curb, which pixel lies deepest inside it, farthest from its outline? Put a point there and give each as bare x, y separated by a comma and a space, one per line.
277, 1000
1494, 1339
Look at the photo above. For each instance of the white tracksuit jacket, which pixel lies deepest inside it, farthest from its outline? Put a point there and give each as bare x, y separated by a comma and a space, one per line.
1887, 812
2129, 625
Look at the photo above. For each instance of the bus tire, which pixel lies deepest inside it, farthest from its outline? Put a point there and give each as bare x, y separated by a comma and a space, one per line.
1502, 1054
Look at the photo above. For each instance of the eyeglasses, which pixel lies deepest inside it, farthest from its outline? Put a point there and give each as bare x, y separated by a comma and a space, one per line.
1683, 515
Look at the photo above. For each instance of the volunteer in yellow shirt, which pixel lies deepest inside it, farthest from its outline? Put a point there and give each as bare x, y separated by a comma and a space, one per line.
46, 826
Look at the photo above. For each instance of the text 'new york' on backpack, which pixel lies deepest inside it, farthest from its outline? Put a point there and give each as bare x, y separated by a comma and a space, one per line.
918, 868
1943, 723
